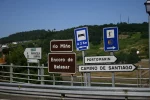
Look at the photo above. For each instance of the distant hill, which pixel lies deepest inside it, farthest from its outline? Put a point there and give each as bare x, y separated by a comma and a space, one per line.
95, 33
132, 38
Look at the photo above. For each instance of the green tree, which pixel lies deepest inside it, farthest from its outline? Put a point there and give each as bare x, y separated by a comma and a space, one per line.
133, 56
122, 57
16, 56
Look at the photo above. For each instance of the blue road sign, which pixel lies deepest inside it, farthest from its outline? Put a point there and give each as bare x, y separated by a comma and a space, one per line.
110, 37
81, 38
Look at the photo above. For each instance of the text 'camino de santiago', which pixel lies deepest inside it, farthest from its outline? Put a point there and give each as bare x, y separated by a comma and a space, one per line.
127, 67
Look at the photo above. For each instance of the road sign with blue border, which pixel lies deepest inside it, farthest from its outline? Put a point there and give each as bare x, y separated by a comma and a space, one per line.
110, 37
81, 38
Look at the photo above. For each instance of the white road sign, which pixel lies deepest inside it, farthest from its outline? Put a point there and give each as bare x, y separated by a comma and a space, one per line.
81, 38
100, 59
32, 53
107, 68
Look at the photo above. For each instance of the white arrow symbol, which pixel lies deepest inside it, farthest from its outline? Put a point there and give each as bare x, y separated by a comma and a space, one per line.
26, 53
111, 47
82, 46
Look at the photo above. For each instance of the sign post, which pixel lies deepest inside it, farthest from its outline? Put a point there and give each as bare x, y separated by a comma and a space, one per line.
110, 35
85, 74
28, 73
82, 43
33, 55
113, 74
59, 62
81, 38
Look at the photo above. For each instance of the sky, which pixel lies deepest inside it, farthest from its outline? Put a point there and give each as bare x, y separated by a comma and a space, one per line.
25, 15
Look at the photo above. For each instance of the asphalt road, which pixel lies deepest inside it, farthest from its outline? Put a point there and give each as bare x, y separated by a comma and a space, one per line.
11, 97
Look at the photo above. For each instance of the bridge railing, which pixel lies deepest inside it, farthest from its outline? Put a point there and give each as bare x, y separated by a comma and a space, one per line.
39, 75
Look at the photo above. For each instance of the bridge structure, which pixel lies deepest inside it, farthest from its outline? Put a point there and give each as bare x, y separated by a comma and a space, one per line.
17, 80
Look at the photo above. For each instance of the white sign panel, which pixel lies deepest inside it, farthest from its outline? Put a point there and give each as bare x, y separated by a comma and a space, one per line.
33, 53
32, 60
81, 35
107, 68
100, 59
110, 34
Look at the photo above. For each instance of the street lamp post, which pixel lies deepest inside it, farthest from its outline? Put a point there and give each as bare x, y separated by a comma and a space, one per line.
147, 6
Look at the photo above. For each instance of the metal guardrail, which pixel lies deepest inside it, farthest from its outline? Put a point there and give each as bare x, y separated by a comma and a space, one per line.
69, 87
73, 92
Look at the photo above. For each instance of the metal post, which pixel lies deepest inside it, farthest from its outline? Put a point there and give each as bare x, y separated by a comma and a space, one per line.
28, 73
113, 73
82, 84
89, 78
11, 73
137, 71
85, 74
140, 76
126, 98
42, 73
38, 70
85, 79
53, 79
149, 48
71, 79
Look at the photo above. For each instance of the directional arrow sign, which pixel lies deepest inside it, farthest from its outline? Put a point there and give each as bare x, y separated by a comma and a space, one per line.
32, 53
100, 59
107, 68
110, 35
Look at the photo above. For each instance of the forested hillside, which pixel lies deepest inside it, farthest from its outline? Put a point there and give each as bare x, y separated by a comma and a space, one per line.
133, 37
95, 33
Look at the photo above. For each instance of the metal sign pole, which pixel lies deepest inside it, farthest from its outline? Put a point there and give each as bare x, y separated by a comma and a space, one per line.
113, 73
38, 70
85, 74
89, 78
53, 79
137, 71
71, 79
149, 46
28, 73
82, 43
